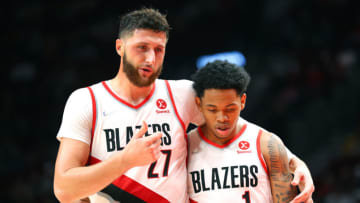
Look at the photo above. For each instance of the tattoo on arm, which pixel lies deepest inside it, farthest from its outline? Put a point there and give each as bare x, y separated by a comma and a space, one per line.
279, 171
278, 168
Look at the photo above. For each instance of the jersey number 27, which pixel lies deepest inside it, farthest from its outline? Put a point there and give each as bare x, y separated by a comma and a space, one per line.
152, 174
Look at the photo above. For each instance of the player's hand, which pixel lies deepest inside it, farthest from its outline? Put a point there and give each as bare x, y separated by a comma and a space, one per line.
302, 178
142, 150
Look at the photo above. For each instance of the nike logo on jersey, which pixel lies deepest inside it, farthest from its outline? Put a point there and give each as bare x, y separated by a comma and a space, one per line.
108, 113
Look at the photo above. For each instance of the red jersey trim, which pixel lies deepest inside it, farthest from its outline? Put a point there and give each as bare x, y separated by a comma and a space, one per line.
140, 191
127, 184
93, 160
226, 144
175, 109
93, 117
258, 147
179, 118
192, 201
125, 102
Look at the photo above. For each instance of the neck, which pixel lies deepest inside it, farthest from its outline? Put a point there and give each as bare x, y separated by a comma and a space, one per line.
128, 91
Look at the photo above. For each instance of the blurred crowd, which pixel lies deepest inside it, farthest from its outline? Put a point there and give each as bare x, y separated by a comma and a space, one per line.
303, 57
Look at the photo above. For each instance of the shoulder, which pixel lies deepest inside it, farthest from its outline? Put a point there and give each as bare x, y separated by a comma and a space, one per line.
180, 84
78, 105
80, 97
272, 148
184, 95
269, 139
84, 94
78, 93
182, 92
77, 117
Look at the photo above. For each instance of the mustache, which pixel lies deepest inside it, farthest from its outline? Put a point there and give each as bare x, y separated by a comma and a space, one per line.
147, 65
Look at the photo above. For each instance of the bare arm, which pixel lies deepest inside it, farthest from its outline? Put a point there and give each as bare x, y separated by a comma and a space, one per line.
276, 160
73, 180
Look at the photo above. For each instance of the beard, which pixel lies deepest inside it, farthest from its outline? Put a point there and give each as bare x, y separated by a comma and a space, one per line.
135, 78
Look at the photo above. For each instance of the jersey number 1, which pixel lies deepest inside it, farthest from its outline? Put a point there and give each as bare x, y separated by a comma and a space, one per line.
151, 173
246, 196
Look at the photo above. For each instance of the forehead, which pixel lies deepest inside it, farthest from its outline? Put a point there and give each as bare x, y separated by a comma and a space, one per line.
220, 96
147, 36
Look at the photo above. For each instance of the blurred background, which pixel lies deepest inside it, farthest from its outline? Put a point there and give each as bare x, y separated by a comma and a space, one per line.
303, 56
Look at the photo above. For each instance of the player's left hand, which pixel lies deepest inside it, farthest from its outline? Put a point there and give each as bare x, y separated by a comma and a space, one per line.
302, 179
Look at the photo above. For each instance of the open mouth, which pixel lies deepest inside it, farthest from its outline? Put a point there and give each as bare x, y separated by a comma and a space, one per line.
146, 69
222, 130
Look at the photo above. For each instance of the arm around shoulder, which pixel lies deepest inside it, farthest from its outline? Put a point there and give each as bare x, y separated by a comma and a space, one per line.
184, 98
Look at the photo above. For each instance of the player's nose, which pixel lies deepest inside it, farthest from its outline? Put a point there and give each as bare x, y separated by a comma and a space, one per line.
150, 57
221, 117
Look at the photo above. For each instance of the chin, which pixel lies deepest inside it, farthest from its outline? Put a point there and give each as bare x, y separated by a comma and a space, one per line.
223, 137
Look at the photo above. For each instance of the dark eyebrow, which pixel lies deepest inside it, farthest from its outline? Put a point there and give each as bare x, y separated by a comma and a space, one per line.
146, 43
230, 105
210, 105
160, 45
142, 43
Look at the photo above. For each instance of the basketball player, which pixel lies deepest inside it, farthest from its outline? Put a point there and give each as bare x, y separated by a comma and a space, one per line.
231, 159
126, 136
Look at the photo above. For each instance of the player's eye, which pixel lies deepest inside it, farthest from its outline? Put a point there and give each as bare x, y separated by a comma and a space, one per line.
141, 47
159, 50
230, 110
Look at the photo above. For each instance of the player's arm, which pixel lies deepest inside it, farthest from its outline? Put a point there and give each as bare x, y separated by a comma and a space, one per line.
276, 159
73, 180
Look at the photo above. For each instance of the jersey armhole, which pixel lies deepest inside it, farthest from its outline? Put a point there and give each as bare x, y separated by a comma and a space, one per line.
93, 125
177, 113
174, 105
260, 156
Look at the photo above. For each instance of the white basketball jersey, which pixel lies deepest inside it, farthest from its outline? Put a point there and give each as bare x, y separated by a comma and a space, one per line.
234, 172
116, 121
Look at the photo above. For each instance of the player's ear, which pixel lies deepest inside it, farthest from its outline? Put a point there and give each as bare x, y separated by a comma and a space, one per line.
119, 46
243, 101
198, 102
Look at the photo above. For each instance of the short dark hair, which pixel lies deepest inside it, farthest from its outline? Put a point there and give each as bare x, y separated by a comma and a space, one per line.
145, 18
220, 75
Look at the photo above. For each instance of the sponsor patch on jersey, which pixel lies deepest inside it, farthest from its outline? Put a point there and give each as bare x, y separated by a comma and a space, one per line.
161, 105
244, 147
